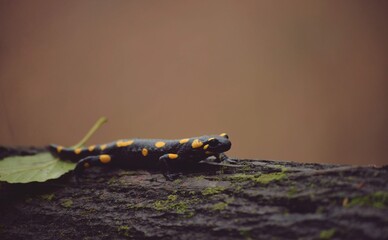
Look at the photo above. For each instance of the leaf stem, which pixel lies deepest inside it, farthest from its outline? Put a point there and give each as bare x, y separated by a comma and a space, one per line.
95, 127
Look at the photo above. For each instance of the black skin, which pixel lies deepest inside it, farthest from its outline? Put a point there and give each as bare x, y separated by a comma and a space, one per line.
164, 156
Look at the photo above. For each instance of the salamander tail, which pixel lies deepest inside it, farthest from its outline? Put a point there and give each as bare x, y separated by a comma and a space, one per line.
72, 154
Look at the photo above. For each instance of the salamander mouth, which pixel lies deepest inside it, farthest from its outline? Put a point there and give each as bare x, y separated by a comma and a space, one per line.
223, 148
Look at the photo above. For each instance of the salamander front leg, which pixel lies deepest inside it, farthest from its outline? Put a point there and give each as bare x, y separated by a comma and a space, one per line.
222, 157
164, 162
90, 161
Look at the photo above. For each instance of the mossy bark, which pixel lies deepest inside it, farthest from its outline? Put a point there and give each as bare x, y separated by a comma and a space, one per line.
260, 200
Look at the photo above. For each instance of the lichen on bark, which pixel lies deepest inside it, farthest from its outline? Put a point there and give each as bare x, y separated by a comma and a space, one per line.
260, 200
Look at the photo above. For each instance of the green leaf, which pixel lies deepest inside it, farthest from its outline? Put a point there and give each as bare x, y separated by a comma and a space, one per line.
40, 167
101, 121
37, 168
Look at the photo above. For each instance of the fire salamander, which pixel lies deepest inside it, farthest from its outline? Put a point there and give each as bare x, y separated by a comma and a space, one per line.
147, 152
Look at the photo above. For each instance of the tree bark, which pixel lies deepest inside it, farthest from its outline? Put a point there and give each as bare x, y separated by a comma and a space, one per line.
258, 199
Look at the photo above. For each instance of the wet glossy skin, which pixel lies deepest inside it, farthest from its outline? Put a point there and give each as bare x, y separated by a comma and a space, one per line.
147, 152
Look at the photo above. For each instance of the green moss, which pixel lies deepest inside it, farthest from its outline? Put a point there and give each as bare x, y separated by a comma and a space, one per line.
327, 234
48, 197
178, 181
242, 177
259, 178
88, 211
172, 197
222, 205
161, 205
229, 200
180, 207
112, 180
135, 206
292, 191
198, 178
67, 203
123, 230
120, 228
189, 214
320, 210
269, 177
219, 178
246, 168
212, 190
377, 200
281, 167
237, 189
246, 234
172, 204
219, 206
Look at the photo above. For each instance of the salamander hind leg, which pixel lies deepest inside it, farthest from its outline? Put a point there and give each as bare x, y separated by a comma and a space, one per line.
165, 162
91, 161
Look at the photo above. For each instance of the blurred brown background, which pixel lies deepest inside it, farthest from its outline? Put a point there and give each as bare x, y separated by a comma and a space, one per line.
295, 80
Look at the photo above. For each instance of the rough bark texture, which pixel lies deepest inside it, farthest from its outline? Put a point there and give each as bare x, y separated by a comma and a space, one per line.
260, 200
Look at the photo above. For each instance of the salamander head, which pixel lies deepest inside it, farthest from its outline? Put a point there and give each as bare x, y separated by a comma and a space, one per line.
217, 143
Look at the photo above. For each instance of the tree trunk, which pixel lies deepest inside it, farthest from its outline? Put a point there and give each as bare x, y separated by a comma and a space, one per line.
259, 199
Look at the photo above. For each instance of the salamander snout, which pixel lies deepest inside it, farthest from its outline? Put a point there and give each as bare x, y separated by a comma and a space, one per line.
219, 144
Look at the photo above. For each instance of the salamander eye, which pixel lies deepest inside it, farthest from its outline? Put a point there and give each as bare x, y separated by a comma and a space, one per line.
224, 135
213, 142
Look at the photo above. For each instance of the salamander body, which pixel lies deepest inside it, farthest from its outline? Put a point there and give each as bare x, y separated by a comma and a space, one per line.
146, 152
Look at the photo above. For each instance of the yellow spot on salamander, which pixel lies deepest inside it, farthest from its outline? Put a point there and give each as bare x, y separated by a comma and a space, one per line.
78, 150
59, 149
185, 140
206, 146
102, 147
105, 158
144, 151
172, 156
86, 165
91, 148
124, 143
197, 143
224, 135
209, 153
160, 144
